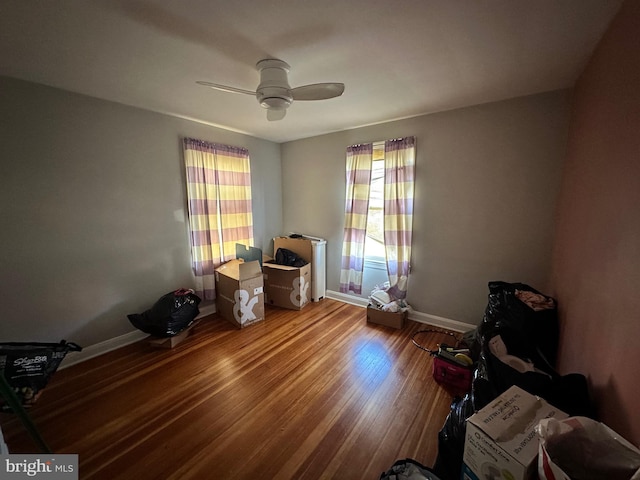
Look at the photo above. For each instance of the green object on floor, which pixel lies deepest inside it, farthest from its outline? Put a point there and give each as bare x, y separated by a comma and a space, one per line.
16, 407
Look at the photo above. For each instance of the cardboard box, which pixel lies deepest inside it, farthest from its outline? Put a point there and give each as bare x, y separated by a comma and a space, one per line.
501, 441
389, 319
285, 286
240, 292
171, 342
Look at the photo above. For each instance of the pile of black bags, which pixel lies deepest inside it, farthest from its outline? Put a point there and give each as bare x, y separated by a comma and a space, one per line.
526, 322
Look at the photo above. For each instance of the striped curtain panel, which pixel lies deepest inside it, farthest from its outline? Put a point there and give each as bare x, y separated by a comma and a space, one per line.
219, 201
398, 211
356, 209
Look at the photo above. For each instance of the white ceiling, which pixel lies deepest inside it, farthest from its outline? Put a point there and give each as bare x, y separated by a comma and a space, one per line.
397, 58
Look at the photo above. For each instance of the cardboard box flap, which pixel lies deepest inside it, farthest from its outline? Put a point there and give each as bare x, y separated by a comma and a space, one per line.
300, 246
240, 270
248, 254
276, 266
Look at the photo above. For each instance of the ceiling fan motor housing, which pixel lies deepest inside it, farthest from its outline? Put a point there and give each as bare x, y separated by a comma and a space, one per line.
274, 91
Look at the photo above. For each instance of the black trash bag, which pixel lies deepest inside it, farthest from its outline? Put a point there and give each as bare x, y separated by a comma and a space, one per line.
569, 392
170, 315
527, 322
451, 438
452, 435
289, 258
28, 367
529, 330
409, 469
482, 390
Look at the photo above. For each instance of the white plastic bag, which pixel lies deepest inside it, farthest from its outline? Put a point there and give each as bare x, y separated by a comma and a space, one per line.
578, 448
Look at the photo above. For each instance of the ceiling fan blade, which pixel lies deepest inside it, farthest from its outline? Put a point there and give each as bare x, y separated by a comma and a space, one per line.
274, 114
225, 88
317, 91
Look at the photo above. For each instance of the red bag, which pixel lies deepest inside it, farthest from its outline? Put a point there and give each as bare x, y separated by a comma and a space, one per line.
448, 370
453, 375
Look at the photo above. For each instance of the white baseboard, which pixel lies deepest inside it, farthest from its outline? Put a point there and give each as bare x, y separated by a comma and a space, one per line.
427, 318
442, 322
113, 343
135, 336
346, 298
103, 347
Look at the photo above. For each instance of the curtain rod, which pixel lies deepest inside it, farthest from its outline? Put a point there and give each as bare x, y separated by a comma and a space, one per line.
379, 143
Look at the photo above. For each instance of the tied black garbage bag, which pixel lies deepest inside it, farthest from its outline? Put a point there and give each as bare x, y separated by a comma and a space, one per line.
27, 367
170, 315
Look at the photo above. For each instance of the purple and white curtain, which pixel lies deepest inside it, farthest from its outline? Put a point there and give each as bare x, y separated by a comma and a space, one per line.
399, 176
359, 159
399, 158
220, 213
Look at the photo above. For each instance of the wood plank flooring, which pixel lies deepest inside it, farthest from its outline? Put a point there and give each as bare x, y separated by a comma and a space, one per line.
303, 395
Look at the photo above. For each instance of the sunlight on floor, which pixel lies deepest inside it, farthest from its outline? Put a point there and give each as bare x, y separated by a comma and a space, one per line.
371, 363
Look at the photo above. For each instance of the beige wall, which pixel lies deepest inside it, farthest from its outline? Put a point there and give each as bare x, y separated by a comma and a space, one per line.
487, 179
597, 250
94, 211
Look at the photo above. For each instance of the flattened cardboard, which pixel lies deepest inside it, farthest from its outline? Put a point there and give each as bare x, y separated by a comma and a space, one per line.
287, 287
502, 438
240, 292
388, 319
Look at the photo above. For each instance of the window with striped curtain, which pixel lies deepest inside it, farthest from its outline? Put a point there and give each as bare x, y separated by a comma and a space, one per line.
379, 212
219, 201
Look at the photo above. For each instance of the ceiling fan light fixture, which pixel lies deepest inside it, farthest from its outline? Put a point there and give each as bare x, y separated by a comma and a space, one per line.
277, 98
275, 103
274, 92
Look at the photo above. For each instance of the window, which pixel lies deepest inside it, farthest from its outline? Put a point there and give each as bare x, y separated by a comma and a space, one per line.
378, 213
374, 240
219, 200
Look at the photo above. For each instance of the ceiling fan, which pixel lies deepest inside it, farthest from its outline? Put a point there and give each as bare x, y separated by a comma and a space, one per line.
274, 92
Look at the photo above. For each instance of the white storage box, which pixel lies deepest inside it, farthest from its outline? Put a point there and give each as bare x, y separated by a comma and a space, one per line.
501, 440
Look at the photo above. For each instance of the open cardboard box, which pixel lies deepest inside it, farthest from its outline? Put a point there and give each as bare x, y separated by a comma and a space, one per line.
289, 287
388, 319
240, 292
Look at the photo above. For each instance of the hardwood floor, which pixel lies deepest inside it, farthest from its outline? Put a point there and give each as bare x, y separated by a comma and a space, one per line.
303, 395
